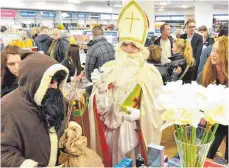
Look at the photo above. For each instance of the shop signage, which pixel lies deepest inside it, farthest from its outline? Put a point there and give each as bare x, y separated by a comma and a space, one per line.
28, 13
82, 15
105, 16
67, 15
95, 16
5, 13
48, 15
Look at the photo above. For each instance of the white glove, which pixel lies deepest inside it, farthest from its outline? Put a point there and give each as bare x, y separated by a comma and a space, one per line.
134, 114
98, 80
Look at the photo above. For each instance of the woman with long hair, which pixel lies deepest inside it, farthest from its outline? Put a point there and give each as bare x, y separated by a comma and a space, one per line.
72, 62
216, 67
10, 60
182, 61
216, 72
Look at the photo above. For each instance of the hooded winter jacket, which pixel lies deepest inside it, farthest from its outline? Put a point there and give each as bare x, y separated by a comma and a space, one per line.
25, 140
43, 42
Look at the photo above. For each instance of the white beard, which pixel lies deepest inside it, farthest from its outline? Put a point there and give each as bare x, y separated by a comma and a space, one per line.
127, 68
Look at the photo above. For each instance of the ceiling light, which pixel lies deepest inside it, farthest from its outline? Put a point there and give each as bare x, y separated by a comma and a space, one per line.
74, 1
161, 9
184, 6
163, 3
118, 6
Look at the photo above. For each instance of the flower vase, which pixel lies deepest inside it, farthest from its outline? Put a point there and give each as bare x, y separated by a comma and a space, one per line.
192, 148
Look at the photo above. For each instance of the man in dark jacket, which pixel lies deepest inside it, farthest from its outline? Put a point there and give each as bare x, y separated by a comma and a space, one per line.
43, 40
59, 47
99, 51
165, 41
208, 40
195, 39
33, 115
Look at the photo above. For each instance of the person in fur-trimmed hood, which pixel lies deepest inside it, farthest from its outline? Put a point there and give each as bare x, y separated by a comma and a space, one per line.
33, 115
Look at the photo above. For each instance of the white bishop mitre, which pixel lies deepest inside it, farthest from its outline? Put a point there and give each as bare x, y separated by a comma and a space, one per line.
133, 24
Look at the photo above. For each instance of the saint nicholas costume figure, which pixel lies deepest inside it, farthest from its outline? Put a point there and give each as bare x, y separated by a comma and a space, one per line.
123, 120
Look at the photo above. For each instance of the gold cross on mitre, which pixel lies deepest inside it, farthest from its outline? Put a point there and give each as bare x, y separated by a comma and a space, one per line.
133, 24
132, 19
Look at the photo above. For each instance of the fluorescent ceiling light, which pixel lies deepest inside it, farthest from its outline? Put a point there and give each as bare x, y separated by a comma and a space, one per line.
163, 3
74, 1
184, 6
161, 9
117, 6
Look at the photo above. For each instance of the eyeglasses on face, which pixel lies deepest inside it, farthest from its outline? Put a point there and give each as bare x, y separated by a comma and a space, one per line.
191, 27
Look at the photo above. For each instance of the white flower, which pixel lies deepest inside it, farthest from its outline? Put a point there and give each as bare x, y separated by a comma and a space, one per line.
215, 106
190, 116
181, 104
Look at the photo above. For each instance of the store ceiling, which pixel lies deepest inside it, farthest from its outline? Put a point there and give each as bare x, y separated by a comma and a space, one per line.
167, 4
159, 4
188, 4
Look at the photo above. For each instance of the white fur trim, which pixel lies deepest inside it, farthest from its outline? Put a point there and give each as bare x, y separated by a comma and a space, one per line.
29, 163
91, 114
45, 82
54, 147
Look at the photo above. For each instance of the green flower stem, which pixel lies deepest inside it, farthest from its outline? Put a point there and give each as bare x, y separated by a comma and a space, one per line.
177, 131
193, 148
205, 136
186, 152
183, 145
214, 131
205, 140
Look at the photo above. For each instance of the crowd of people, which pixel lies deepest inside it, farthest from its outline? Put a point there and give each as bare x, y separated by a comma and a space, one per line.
34, 109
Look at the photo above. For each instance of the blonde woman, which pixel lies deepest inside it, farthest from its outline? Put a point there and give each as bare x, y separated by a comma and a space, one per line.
216, 71
182, 61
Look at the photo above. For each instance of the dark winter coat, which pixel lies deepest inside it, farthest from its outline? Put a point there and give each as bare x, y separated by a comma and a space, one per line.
197, 45
99, 52
43, 42
61, 49
209, 41
178, 60
9, 84
163, 69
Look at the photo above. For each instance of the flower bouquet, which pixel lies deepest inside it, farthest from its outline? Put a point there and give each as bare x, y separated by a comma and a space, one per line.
184, 106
